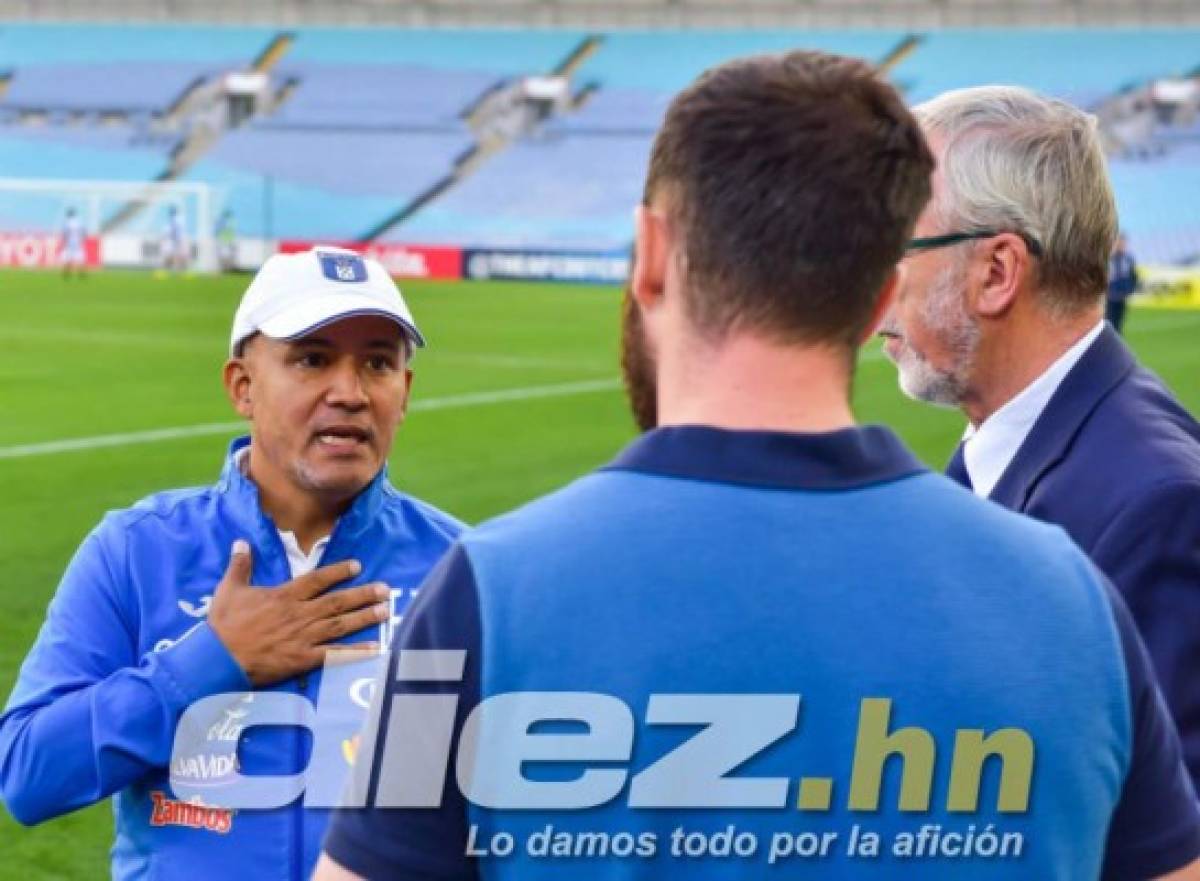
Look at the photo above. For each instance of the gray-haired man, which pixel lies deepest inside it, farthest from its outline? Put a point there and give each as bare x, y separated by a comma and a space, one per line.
1002, 315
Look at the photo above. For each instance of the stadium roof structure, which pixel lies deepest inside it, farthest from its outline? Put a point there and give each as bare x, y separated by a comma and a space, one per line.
618, 13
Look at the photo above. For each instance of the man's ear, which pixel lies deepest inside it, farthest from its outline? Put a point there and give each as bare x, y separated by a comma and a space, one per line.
236, 376
887, 298
647, 278
405, 393
999, 269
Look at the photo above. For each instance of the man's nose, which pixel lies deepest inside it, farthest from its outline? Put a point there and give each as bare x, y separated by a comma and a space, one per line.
346, 388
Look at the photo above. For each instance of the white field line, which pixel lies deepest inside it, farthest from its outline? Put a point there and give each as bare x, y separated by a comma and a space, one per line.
471, 399
205, 343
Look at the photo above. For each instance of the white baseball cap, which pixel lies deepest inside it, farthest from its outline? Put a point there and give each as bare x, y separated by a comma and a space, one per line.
294, 294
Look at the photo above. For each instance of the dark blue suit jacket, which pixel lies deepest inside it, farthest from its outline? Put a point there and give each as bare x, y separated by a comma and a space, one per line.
1115, 460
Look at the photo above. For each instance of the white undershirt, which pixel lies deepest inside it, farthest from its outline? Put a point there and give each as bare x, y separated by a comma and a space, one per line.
989, 449
299, 562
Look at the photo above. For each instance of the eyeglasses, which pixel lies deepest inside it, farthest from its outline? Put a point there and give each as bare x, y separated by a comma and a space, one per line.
930, 243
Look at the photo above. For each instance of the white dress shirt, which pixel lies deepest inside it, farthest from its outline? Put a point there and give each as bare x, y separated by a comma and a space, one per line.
989, 449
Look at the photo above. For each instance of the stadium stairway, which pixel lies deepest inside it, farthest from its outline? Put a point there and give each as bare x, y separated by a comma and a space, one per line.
587, 47
275, 50
200, 138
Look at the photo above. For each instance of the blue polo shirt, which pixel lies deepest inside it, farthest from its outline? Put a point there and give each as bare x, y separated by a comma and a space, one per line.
929, 686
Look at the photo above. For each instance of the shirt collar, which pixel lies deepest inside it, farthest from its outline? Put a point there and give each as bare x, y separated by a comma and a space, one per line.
836, 460
989, 448
246, 507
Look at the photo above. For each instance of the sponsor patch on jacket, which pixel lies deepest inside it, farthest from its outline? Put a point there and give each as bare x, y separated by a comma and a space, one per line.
191, 815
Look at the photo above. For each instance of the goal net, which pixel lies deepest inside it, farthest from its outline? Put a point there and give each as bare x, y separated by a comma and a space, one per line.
127, 223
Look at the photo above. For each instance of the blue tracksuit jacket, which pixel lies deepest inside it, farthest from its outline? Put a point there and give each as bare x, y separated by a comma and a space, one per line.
125, 649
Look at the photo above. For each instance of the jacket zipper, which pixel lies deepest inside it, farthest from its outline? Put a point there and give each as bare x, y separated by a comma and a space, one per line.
302, 684
295, 845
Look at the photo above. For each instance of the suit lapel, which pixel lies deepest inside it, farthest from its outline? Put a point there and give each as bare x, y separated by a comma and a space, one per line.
1106, 362
956, 470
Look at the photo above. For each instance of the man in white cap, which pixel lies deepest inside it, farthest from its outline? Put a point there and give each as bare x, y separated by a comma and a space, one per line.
236, 589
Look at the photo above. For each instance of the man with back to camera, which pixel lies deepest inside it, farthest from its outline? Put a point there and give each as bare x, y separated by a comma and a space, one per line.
1002, 315
303, 544
759, 592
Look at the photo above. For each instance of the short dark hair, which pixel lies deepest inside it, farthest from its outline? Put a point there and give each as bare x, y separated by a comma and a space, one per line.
794, 182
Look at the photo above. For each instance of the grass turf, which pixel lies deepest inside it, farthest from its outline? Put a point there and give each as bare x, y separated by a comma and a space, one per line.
123, 352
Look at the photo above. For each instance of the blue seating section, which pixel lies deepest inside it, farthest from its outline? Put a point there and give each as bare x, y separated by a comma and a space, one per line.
30, 157
376, 120
81, 158
615, 110
287, 209
508, 52
361, 96
325, 183
638, 72
123, 140
1157, 199
151, 86
654, 61
1081, 65
562, 192
353, 163
25, 46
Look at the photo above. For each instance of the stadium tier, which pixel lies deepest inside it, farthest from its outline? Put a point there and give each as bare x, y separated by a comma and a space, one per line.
666, 62
505, 51
1157, 201
1081, 66
395, 164
614, 111
325, 183
23, 47
111, 87
430, 137
378, 96
558, 192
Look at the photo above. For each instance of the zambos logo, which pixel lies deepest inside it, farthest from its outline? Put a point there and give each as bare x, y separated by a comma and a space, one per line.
192, 815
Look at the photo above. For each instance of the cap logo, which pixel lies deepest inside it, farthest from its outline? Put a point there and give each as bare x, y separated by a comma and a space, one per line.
343, 267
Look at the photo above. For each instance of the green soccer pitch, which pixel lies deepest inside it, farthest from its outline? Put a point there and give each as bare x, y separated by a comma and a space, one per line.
518, 393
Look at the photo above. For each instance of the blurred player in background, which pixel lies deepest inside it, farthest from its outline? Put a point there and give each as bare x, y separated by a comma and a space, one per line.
226, 236
175, 246
1002, 315
1122, 283
72, 246
758, 548
240, 587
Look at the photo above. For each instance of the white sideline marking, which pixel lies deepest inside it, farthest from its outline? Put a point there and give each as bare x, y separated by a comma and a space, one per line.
471, 399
